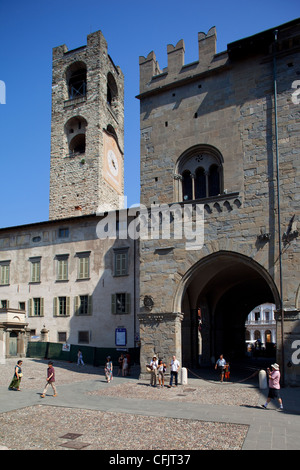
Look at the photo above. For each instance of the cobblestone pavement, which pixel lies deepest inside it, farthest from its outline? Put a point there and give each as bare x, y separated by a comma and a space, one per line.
127, 413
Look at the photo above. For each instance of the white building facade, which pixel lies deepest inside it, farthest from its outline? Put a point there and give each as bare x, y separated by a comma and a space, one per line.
261, 325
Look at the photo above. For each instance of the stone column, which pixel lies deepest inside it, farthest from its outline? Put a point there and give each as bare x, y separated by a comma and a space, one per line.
44, 335
2, 345
160, 334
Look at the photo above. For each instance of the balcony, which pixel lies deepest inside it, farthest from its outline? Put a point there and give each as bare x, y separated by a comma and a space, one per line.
12, 317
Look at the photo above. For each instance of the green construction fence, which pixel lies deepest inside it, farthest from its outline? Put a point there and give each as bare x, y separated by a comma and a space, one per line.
91, 355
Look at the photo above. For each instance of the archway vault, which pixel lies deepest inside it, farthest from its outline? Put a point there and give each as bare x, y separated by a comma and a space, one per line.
225, 286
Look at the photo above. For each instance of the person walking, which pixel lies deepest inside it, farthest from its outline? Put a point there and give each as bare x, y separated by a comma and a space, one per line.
50, 380
220, 365
175, 366
16, 380
80, 358
274, 386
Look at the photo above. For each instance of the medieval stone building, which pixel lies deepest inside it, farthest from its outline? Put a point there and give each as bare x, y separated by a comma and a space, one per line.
87, 122
220, 141
67, 280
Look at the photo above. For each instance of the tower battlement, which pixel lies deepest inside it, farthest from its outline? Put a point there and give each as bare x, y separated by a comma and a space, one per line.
152, 77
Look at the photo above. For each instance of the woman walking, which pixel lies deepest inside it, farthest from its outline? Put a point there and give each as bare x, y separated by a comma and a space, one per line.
15, 383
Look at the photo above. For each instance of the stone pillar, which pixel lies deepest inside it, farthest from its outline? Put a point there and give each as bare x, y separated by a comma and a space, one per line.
44, 335
2, 345
289, 361
160, 334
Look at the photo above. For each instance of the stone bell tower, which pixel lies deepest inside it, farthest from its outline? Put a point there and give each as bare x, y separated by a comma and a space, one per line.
87, 130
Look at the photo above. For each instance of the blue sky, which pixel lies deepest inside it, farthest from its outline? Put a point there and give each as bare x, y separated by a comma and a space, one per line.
29, 30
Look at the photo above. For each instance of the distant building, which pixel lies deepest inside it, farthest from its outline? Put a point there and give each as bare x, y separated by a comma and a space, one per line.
261, 325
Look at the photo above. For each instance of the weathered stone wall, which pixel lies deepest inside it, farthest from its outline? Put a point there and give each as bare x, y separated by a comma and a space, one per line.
77, 186
226, 102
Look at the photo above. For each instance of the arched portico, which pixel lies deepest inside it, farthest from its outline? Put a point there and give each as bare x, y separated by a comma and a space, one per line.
215, 296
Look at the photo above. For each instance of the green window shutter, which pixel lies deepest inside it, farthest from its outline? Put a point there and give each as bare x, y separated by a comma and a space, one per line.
87, 267
76, 304
59, 270
55, 306
127, 299
62, 274
114, 304
4, 274
83, 268
35, 271
68, 306
90, 304
121, 263
65, 269
30, 307
41, 307
80, 270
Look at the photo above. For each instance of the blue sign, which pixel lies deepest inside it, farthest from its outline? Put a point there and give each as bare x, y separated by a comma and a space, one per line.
121, 336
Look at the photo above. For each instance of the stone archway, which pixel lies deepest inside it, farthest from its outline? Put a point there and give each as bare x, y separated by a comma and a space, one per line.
220, 290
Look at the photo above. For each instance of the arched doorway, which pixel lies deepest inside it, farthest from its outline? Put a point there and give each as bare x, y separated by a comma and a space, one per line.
215, 296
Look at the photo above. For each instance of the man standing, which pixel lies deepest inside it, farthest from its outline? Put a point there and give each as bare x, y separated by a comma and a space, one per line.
274, 386
174, 371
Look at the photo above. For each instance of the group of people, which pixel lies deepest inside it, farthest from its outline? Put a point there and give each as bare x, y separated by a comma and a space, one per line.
124, 366
17, 377
158, 369
273, 374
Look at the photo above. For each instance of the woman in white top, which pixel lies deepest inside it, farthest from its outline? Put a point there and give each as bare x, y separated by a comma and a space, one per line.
154, 366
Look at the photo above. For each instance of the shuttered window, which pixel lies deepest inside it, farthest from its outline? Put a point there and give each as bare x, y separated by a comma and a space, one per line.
83, 305
62, 268
120, 304
35, 269
36, 307
83, 265
4, 273
61, 306
121, 262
